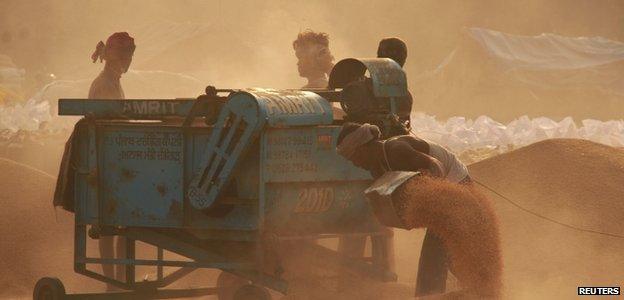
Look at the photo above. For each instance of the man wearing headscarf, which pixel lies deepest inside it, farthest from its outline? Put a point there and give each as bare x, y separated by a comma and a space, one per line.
117, 54
314, 60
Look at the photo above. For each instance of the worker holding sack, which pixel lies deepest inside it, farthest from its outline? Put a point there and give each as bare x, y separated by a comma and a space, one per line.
426, 186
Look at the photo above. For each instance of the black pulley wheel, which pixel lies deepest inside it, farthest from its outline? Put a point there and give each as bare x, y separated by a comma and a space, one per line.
228, 284
49, 288
252, 292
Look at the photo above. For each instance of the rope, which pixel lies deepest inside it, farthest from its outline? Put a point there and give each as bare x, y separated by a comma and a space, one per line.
547, 218
539, 215
29, 167
383, 149
46, 174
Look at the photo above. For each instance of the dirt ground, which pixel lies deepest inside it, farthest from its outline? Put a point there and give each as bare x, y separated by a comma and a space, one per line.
576, 182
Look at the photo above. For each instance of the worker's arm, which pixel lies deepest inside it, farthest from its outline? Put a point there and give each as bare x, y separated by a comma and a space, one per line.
406, 158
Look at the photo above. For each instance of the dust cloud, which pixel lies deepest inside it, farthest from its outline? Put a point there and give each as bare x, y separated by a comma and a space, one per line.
238, 44
249, 43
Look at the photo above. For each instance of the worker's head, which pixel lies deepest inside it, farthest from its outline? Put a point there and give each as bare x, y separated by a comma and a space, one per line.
313, 55
354, 142
393, 48
117, 52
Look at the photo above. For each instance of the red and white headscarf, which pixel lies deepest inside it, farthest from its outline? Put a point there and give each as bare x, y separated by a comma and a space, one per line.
118, 45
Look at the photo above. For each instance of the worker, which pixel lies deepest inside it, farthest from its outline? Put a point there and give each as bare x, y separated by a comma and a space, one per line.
117, 54
314, 60
361, 144
395, 49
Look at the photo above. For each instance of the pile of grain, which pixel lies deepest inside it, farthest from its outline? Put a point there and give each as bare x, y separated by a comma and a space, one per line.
36, 238
576, 182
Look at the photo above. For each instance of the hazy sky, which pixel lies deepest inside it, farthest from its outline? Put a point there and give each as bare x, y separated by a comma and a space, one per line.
256, 36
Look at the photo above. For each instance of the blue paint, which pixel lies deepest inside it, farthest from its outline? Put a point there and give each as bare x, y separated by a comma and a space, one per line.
388, 78
266, 166
279, 161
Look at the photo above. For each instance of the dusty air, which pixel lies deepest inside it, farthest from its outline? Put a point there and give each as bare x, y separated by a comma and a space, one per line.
358, 150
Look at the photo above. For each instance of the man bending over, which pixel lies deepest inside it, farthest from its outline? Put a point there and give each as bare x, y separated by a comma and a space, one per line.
462, 229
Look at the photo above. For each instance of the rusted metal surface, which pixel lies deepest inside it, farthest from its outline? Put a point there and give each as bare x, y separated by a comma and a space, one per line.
242, 119
137, 109
387, 76
290, 102
293, 108
306, 155
141, 175
389, 79
272, 156
239, 123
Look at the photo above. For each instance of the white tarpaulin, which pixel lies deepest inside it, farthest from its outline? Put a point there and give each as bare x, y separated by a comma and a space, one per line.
506, 76
554, 61
548, 51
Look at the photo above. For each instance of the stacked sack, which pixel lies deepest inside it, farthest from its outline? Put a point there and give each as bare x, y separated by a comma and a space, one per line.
464, 135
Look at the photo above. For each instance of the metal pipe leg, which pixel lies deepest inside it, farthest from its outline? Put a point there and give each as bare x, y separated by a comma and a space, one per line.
129, 246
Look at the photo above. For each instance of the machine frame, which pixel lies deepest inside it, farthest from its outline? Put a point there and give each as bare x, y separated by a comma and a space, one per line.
238, 244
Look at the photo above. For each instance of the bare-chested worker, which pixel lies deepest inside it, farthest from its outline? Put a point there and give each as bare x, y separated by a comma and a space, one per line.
117, 54
314, 58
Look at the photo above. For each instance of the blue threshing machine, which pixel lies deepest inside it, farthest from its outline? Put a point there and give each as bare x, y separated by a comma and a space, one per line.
224, 180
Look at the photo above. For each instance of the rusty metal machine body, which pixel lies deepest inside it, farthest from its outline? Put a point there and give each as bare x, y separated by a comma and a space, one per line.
222, 180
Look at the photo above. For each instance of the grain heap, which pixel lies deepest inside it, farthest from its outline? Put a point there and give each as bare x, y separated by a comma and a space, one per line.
36, 239
576, 182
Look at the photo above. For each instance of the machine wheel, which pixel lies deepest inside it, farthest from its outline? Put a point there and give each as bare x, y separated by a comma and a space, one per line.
48, 288
252, 292
228, 284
